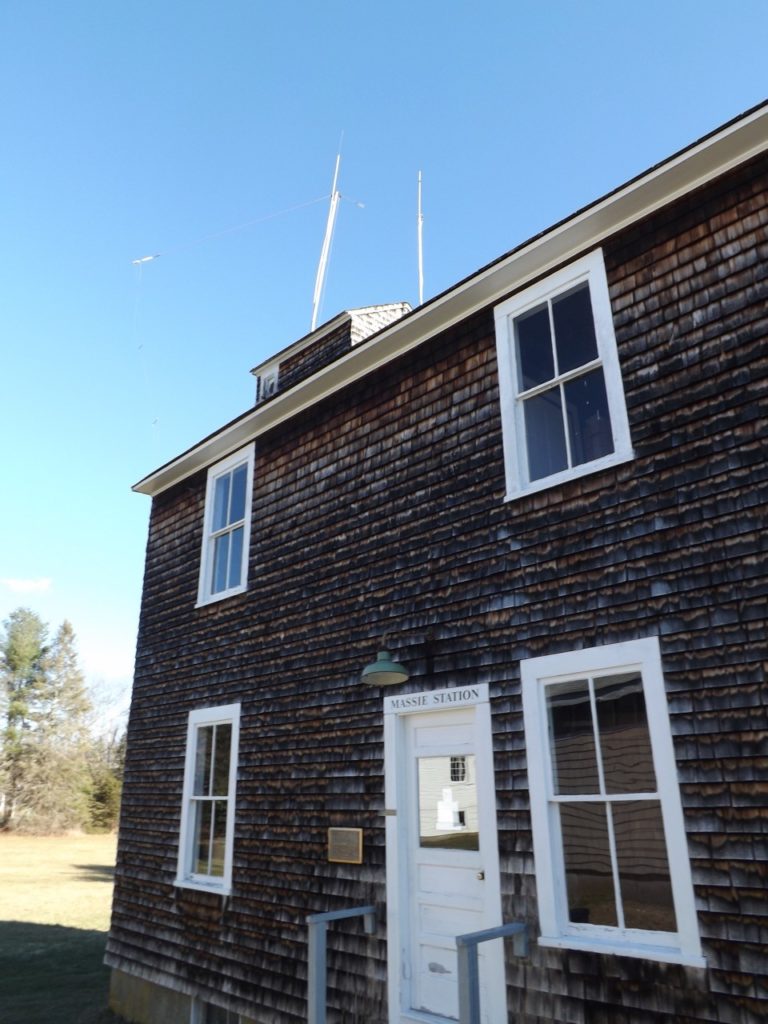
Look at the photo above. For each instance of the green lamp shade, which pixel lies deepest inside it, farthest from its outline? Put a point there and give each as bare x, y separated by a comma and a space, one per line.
383, 671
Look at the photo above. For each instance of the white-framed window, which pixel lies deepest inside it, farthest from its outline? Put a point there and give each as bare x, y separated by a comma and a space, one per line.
562, 400
612, 867
208, 803
226, 527
458, 768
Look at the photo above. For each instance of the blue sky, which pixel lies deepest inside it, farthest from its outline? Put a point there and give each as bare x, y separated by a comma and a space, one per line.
188, 128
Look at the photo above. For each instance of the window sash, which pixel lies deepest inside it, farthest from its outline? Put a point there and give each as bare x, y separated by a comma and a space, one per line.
603, 799
207, 848
206, 834
572, 435
538, 674
593, 432
226, 527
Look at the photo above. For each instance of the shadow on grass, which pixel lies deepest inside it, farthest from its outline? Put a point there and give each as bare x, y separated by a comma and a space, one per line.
97, 872
49, 973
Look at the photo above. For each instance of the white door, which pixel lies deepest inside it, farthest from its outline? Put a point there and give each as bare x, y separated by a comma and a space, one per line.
447, 874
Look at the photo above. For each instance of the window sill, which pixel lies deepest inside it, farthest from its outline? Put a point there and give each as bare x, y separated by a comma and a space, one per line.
215, 598
616, 459
200, 886
660, 954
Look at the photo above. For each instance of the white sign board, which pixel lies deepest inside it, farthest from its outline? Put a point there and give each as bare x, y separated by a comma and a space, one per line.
437, 700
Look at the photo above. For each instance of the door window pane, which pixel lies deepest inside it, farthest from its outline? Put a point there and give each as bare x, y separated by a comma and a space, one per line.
447, 808
588, 874
641, 850
544, 434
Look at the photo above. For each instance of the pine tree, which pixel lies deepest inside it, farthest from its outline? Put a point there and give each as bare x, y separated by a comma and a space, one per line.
46, 740
22, 655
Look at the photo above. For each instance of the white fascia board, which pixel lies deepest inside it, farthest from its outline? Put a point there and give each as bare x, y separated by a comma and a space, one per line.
718, 153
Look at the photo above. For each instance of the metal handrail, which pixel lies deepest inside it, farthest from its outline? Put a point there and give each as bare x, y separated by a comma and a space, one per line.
317, 969
469, 979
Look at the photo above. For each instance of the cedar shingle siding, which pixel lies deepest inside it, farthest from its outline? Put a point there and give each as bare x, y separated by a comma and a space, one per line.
380, 512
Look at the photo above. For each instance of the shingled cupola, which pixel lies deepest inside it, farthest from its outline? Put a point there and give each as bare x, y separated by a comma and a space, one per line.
322, 346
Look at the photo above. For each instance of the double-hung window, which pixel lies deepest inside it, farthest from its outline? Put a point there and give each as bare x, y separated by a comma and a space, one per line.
612, 867
208, 808
562, 400
226, 527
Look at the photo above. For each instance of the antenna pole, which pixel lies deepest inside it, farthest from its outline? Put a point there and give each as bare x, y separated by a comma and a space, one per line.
419, 226
323, 264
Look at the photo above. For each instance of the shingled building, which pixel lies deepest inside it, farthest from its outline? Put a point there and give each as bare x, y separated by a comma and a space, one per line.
543, 493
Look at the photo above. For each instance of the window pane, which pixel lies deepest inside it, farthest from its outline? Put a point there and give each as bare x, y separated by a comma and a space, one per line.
221, 761
220, 560
544, 434
202, 812
588, 877
574, 329
219, 838
237, 504
589, 421
218, 1015
641, 848
625, 742
203, 760
534, 348
221, 502
236, 557
572, 739
447, 809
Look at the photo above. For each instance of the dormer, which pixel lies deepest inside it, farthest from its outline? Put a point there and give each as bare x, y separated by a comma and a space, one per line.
322, 346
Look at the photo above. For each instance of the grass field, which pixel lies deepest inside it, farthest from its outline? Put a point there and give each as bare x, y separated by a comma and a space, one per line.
55, 896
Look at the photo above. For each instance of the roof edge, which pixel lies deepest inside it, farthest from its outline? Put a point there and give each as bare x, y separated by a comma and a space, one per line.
703, 161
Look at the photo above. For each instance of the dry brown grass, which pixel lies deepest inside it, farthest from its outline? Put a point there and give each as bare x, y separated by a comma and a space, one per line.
63, 880
55, 899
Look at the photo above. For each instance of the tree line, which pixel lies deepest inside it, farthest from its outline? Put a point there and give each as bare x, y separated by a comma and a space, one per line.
56, 771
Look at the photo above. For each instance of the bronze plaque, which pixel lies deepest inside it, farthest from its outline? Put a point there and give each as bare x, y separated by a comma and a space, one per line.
345, 845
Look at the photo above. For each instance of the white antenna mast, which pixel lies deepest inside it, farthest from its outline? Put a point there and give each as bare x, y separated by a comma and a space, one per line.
419, 226
323, 265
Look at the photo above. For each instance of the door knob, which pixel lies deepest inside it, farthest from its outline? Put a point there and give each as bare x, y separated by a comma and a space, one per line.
480, 876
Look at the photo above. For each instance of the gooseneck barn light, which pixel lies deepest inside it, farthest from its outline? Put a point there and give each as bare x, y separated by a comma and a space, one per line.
384, 671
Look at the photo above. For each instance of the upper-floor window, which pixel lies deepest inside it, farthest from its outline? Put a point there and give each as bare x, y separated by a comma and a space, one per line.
562, 400
226, 527
208, 807
612, 867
